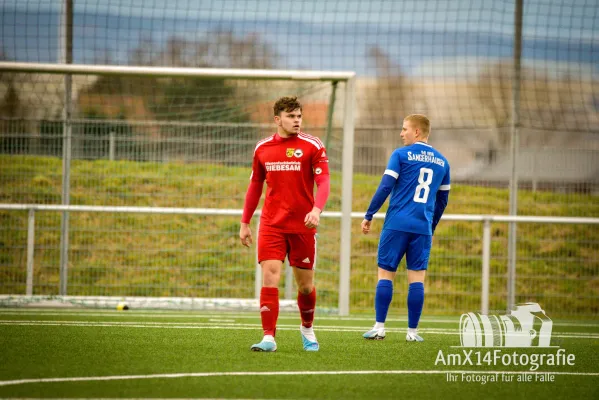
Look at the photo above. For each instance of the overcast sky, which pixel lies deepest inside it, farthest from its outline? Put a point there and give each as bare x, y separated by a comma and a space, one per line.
427, 37
547, 18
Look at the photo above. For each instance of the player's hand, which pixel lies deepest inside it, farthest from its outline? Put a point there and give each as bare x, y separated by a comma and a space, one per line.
366, 226
245, 234
312, 218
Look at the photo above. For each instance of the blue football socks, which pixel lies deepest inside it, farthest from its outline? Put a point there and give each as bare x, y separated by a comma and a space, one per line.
382, 299
415, 303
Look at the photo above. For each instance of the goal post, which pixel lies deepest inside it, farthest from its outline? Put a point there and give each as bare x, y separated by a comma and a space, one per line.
174, 106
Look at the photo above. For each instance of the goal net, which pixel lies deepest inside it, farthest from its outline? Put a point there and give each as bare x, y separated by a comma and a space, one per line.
150, 137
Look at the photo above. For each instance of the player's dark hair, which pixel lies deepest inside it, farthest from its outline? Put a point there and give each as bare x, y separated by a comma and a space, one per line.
286, 104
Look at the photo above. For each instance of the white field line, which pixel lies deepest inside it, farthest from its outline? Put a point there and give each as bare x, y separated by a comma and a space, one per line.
227, 323
176, 314
283, 373
240, 326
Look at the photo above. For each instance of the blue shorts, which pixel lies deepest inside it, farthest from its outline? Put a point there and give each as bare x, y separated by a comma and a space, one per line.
394, 244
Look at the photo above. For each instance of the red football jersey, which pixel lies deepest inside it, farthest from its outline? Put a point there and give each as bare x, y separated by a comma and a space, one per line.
288, 165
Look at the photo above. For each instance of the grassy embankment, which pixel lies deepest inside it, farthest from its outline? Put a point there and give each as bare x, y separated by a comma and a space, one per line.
181, 255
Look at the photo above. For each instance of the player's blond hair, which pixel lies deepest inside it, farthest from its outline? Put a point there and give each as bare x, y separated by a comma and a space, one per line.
420, 121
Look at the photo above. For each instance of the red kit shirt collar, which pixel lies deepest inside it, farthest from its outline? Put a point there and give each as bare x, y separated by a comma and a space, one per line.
279, 139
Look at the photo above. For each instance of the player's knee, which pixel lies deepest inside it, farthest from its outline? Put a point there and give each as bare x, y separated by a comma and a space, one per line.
416, 275
305, 287
385, 274
270, 279
270, 276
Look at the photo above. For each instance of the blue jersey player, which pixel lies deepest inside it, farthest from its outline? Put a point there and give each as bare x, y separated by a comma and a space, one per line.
417, 177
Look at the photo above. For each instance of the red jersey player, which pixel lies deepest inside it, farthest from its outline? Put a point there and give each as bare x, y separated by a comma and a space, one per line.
290, 162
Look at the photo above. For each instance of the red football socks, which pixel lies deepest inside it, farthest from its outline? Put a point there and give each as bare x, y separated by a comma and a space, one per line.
307, 304
269, 309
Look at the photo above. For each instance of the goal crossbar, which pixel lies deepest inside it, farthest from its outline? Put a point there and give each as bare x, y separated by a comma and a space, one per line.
215, 73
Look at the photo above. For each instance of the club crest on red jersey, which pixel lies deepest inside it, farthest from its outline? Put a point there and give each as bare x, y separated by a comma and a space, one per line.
297, 153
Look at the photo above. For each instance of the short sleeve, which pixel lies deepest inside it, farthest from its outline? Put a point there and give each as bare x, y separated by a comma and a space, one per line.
394, 165
445, 183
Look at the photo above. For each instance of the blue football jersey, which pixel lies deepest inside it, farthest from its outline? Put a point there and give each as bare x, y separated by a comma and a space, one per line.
420, 171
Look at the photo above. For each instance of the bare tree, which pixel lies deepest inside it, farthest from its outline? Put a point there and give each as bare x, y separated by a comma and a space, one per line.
193, 98
217, 49
382, 106
390, 98
10, 103
493, 92
222, 49
546, 103
143, 54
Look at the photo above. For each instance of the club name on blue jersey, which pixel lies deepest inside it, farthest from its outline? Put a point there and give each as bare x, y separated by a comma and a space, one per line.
426, 156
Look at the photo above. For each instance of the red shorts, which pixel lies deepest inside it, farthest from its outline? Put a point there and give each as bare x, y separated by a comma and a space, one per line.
300, 249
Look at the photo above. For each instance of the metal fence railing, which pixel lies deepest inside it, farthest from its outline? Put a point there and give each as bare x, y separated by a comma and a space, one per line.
194, 253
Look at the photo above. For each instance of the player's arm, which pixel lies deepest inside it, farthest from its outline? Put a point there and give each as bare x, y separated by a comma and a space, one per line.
380, 196
252, 198
441, 200
322, 178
